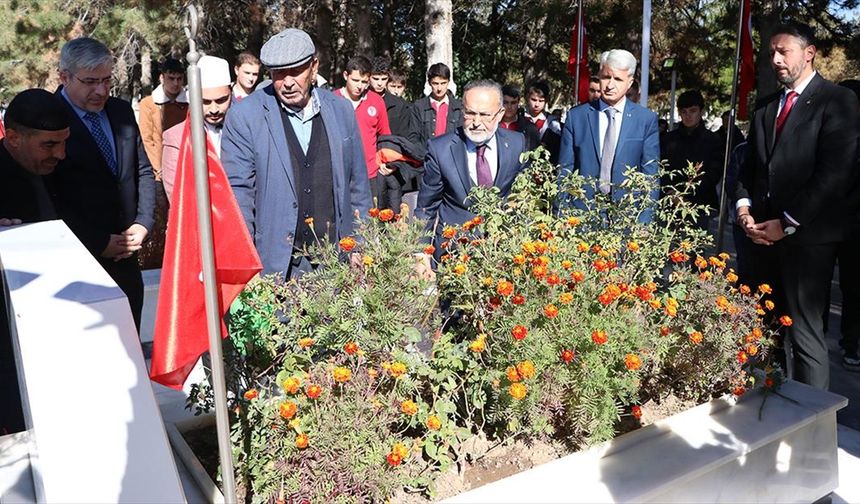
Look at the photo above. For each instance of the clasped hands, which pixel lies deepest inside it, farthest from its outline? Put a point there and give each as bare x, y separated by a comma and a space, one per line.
763, 233
122, 246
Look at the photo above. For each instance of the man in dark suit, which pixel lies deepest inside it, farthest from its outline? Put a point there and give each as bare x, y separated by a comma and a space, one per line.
294, 157
793, 191
439, 113
478, 153
104, 189
601, 139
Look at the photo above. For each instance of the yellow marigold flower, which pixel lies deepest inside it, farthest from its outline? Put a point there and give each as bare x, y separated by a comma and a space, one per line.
519, 259
367, 260
526, 369
573, 221
306, 342
302, 441
565, 298
292, 384
341, 374
685, 245
400, 449
477, 345
722, 302
294, 423
459, 269
398, 369
488, 281
655, 303
700, 262
371, 372
518, 271
768, 304
731, 277
518, 390
408, 407
566, 264
529, 248
582, 247
433, 422
724, 256
633, 246
765, 289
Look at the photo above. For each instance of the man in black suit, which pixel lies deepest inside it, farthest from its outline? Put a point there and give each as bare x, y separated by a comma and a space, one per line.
104, 189
479, 153
793, 191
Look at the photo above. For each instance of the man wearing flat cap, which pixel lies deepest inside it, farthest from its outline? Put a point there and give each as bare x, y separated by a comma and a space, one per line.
37, 129
217, 97
293, 155
104, 188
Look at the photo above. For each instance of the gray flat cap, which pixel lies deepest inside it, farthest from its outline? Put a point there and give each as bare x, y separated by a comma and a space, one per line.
289, 49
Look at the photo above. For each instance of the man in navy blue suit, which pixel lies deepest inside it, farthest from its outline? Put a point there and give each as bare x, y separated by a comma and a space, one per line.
601, 139
478, 153
294, 158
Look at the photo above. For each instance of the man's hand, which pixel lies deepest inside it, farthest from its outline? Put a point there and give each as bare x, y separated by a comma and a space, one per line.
748, 224
385, 170
770, 230
136, 234
9, 222
118, 248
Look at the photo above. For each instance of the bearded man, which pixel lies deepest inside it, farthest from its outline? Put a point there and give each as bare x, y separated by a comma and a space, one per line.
477, 154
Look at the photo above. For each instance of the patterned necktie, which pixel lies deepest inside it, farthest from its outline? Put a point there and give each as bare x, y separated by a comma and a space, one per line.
485, 178
101, 140
790, 98
608, 155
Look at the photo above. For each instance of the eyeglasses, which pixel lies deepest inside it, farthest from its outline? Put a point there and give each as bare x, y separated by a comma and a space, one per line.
106, 81
480, 116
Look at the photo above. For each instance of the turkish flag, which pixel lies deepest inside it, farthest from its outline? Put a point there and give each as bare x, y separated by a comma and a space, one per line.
747, 70
181, 334
580, 65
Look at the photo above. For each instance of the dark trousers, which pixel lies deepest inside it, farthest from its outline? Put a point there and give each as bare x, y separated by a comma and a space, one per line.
849, 282
376, 190
806, 272
126, 274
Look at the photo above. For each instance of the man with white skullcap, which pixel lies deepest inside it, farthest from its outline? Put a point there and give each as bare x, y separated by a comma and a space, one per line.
215, 81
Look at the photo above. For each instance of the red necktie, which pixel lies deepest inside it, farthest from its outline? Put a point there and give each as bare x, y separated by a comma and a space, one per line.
790, 98
539, 123
441, 117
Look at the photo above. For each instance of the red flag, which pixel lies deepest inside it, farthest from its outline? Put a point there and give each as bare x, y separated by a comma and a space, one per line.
747, 70
181, 334
580, 65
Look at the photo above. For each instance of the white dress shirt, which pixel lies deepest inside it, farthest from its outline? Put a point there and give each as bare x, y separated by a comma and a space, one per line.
604, 121
491, 154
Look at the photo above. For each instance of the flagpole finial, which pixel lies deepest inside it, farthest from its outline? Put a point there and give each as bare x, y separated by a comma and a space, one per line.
190, 25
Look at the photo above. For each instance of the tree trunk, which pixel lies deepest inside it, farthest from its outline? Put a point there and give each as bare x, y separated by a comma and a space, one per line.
765, 78
385, 42
363, 28
438, 27
256, 26
324, 21
146, 69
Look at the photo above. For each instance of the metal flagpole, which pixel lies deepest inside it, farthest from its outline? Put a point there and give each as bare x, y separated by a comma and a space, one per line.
578, 51
721, 226
646, 53
207, 252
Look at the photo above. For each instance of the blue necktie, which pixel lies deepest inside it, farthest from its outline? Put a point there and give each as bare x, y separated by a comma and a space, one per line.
101, 139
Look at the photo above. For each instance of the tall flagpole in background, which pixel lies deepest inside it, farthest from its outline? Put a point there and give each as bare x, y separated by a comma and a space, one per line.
645, 70
721, 227
207, 253
579, 37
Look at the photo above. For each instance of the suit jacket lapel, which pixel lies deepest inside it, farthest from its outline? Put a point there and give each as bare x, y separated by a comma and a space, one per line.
803, 107
279, 139
336, 148
461, 163
118, 140
506, 166
84, 142
594, 124
769, 125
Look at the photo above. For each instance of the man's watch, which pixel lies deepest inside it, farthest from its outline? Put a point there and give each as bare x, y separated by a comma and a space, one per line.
787, 227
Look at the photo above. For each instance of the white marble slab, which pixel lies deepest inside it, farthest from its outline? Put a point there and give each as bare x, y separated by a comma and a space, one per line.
96, 433
715, 452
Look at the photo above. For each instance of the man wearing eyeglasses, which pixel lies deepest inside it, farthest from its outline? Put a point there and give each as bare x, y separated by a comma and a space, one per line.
104, 188
478, 154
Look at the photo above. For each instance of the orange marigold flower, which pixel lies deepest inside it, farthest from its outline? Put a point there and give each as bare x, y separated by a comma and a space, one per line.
553, 279
313, 390
519, 259
309, 221
742, 357
705, 276
599, 337
306, 342
550, 310
433, 422
573, 221
386, 215
601, 265
744, 289
664, 331
786, 321
696, 337
731, 277
518, 390
765, 289
539, 271
504, 288
429, 249
292, 384
251, 394
347, 244
526, 369
678, 257
768, 382
567, 355
477, 220
518, 299
512, 374
565, 298
566, 264
636, 411
529, 248
757, 332
582, 247
408, 407
287, 410
632, 362
394, 459
722, 302
341, 374
302, 441
351, 348
373, 212
397, 369
633, 246
768, 304
519, 332
577, 276
596, 249
739, 391
540, 246
752, 350
655, 303
448, 232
